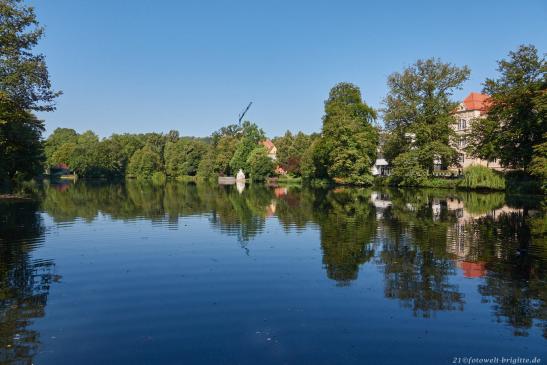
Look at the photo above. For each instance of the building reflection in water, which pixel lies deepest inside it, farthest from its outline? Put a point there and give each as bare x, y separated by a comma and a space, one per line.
503, 246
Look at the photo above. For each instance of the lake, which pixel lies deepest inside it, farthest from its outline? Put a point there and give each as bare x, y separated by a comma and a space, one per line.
132, 273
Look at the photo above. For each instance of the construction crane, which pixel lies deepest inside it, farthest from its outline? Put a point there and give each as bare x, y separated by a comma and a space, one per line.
243, 113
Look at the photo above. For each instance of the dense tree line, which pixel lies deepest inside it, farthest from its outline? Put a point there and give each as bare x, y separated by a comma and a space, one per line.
344, 151
143, 155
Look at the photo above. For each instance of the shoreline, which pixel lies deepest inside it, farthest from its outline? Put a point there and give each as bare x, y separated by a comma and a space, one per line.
12, 197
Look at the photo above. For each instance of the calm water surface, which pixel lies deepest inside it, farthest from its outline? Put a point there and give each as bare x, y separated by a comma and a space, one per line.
202, 274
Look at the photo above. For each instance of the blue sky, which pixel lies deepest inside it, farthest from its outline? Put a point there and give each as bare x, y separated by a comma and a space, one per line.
192, 66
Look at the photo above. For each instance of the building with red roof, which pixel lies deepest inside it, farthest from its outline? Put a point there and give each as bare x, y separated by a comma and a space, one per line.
476, 101
270, 147
474, 106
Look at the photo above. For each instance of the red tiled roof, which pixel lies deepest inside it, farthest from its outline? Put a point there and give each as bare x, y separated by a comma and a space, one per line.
268, 144
476, 101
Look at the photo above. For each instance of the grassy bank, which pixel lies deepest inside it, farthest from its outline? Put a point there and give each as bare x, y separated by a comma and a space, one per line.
289, 180
475, 178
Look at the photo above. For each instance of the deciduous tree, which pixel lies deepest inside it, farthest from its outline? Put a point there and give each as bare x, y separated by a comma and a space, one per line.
349, 140
517, 110
24, 87
418, 111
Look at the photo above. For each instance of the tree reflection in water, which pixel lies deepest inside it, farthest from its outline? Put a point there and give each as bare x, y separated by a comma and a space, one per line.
24, 282
419, 239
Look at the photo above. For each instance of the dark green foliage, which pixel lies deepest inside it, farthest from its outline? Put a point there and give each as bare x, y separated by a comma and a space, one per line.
520, 182
20, 147
347, 148
517, 111
260, 164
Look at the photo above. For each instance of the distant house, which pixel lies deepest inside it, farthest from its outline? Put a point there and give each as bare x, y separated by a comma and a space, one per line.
381, 167
272, 153
270, 147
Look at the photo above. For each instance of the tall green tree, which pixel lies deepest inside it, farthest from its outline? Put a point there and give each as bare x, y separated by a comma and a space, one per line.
24, 87
418, 112
349, 140
517, 110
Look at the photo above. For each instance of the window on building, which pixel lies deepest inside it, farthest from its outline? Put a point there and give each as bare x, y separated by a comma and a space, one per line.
462, 124
463, 142
462, 158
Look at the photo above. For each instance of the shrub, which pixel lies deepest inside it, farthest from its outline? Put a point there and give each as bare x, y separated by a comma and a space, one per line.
407, 171
481, 177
